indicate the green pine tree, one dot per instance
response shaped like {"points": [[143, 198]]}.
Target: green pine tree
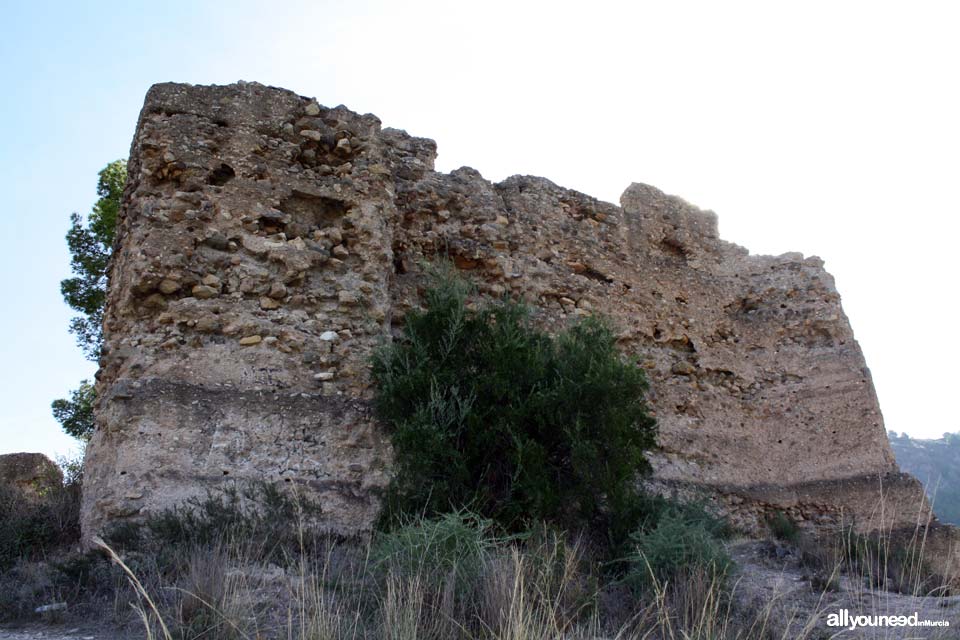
{"points": [[91, 243]]}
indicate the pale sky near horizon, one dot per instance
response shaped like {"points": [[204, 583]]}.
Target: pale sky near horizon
{"points": [[829, 128]]}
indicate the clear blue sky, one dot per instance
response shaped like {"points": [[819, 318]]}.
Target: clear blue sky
{"points": [[74, 75], [822, 127]]}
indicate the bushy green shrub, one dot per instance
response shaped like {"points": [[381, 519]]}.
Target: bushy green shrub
{"points": [[685, 537], [783, 528], [694, 512], [459, 578], [488, 413], [454, 541]]}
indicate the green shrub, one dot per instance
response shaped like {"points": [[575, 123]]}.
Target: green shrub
{"points": [[685, 538], [783, 528], [454, 543], [490, 414], [457, 577], [655, 507]]}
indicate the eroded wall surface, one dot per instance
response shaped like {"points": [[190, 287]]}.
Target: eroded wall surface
{"points": [[267, 244]]}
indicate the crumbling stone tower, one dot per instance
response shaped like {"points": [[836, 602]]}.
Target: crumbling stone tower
{"points": [[267, 244]]}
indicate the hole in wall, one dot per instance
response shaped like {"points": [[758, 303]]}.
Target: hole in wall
{"points": [[593, 274], [309, 212], [221, 175], [672, 247], [399, 266], [272, 222]]}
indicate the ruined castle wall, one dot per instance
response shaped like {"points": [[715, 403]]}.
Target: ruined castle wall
{"points": [[268, 244], [238, 321]]}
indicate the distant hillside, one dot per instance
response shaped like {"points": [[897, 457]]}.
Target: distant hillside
{"points": [[936, 463]]}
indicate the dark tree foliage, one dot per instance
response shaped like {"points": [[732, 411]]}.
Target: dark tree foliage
{"points": [[91, 244], [75, 414], [488, 413], [90, 247]]}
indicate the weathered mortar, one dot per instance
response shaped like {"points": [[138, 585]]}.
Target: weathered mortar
{"points": [[267, 244]]}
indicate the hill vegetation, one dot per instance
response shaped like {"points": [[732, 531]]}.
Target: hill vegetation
{"points": [[936, 463]]}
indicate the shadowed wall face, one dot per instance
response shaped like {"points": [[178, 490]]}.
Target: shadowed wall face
{"points": [[267, 244]]}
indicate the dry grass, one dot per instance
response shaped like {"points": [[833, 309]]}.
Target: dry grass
{"points": [[546, 590], [452, 579]]}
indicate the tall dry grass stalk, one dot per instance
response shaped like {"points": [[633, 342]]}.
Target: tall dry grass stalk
{"points": [[146, 613], [511, 602], [697, 604], [319, 611], [532, 597], [543, 589]]}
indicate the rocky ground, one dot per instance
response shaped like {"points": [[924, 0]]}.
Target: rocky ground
{"points": [[52, 631], [772, 578]]}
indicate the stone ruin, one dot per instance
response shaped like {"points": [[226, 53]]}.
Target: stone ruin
{"points": [[30, 474], [267, 244]]}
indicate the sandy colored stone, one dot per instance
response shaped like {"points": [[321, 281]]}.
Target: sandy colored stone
{"points": [[168, 286], [203, 291], [268, 304]]}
